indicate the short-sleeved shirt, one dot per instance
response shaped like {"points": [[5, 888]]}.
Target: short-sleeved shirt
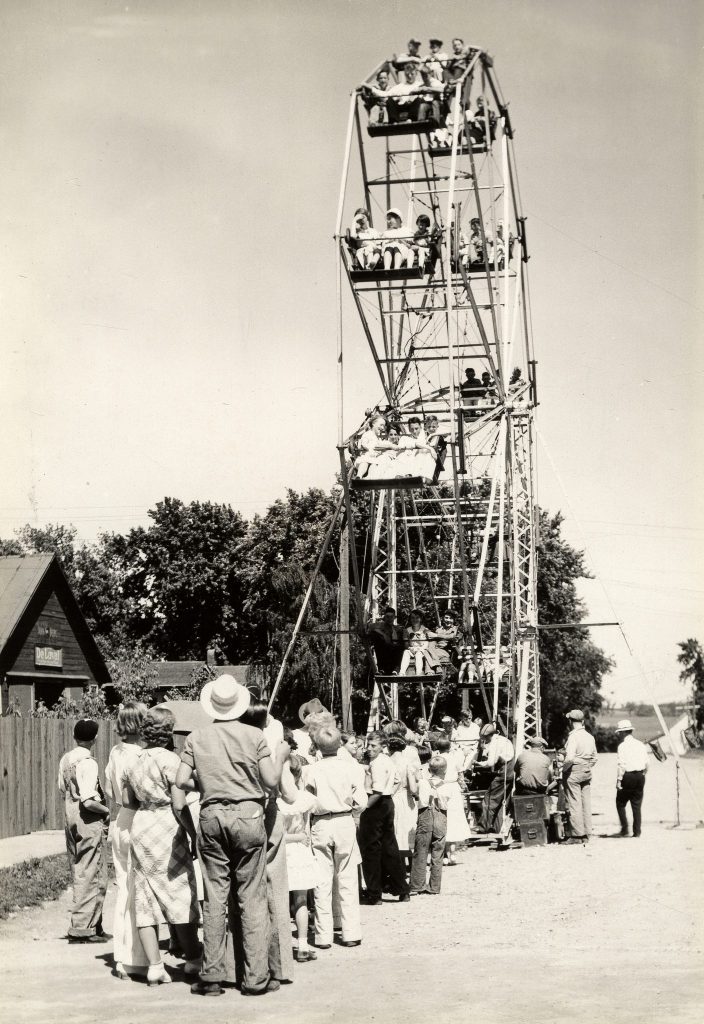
{"points": [[78, 776], [226, 757], [337, 785], [151, 775], [383, 775]]}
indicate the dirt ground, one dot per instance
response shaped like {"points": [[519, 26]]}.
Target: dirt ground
{"points": [[610, 932]]}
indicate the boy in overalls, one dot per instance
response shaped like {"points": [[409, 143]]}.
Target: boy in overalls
{"points": [[87, 817]]}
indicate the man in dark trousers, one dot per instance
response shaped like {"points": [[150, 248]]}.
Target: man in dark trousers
{"points": [[380, 854], [495, 752], [388, 643], [632, 766], [234, 768]]}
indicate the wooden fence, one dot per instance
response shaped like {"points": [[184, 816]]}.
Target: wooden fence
{"points": [[30, 751]]}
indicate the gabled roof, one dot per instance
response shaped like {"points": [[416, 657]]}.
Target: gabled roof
{"points": [[20, 575]]}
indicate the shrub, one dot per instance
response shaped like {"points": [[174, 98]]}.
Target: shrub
{"points": [[606, 738]]}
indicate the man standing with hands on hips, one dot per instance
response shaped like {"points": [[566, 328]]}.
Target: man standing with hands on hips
{"points": [[632, 766]]}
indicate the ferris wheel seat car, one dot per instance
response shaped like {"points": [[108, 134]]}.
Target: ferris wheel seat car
{"points": [[379, 274], [424, 127], [398, 483]]}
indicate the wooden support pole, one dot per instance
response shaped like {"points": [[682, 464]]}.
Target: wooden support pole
{"points": [[345, 675]]}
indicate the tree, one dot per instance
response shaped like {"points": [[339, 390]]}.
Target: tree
{"points": [[691, 657], [571, 665], [132, 675]]}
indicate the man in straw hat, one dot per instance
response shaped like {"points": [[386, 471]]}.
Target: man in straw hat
{"points": [[308, 711], [580, 758], [632, 766], [234, 768]]}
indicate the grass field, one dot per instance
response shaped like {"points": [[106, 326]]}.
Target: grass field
{"points": [[645, 727]]}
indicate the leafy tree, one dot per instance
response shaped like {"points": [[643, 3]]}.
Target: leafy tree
{"points": [[571, 665], [133, 677], [691, 657]]}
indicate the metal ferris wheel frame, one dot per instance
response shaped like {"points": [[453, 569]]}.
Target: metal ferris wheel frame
{"points": [[419, 328]]}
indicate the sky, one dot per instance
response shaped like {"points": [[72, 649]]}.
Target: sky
{"points": [[169, 186]]}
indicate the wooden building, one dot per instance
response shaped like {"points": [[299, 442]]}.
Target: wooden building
{"points": [[46, 647]]}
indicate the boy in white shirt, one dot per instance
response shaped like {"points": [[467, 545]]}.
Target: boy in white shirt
{"points": [[431, 829], [337, 786]]}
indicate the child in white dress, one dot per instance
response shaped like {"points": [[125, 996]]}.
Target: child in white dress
{"points": [[300, 863]]}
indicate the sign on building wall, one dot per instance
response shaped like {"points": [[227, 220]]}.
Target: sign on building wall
{"points": [[48, 657]]}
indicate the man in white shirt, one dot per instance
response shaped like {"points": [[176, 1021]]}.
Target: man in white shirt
{"points": [[580, 758], [380, 855], [496, 752], [632, 766]]}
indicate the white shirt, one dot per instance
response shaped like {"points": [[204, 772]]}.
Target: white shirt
{"points": [[122, 756], [303, 744], [382, 775], [79, 764], [499, 748], [336, 785], [632, 756]]}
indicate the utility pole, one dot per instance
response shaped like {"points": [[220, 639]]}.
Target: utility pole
{"points": [[345, 685]]}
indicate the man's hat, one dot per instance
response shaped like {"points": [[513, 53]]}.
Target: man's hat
{"points": [[536, 741], [416, 41], [624, 725], [311, 707], [487, 730], [576, 716], [224, 698], [438, 41]]}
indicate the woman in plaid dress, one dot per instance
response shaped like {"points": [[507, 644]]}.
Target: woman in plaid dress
{"points": [[165, 885]]}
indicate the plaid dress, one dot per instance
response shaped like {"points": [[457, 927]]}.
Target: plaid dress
{"points": [[165, 884]]}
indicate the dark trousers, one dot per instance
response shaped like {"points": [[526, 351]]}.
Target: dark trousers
{"points": [[232, 852], [405, 111], [631, 792], [430, 837], [499, 789], [388, 656], [380, 856]]}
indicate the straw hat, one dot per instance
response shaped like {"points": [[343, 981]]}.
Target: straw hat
{"points": [[576, 716], [311, 707], [624, 725], [224, 698]]}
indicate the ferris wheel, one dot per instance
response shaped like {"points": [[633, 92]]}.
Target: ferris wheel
{"points": [[431, 247]]}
